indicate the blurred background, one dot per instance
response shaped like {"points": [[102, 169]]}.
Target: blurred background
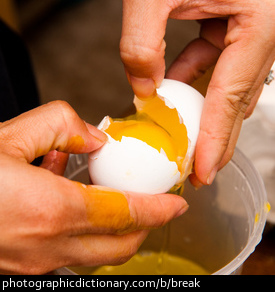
{"points": [[74, 46]]}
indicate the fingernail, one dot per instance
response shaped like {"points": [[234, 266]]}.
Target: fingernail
{"points": [[182, 210], [212, 175], [198, 186], [96, 133], [143, 87], [195, 181]]}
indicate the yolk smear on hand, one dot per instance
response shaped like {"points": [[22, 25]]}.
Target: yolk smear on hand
{"points": [[107, 209], [74, 143]]}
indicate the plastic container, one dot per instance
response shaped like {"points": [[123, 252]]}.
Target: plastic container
{"points": [[224, 222]]}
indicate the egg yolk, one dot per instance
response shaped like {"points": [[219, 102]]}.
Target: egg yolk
{"points": [[156, 124], [148, 132]]}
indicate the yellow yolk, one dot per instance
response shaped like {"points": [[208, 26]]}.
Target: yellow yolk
{"points": [[158, 125], [168, 119], [147, 132]]}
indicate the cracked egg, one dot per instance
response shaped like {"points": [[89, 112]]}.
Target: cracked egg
{"points": [[151, 151]]}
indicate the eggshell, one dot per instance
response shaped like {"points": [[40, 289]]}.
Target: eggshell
{"points": [[132, 165]]}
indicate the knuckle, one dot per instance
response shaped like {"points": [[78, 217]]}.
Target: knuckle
{"points": [[63, 115], [136, 55], [195, 69], [63, 109], [221, 136], [127, 254], [235, 101]]}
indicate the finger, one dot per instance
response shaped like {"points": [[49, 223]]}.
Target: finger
{"points": [[200, 54], [117, 220], [55, 162], [237, 128], [195, 181], [227, 100], [195, 178], [227, 155], [82, 250], [214, 32], [253, 102], [54, 126], [194, 61], [95, 250], [110, 211], [142, 45]]}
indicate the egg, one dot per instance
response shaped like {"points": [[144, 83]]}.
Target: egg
{"points": [[151, 151]]}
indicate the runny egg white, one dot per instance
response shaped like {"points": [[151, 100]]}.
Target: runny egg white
{"points": [[151, 151]]}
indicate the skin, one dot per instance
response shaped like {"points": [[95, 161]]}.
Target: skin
{"points": [[48, 221], [236, 36]]}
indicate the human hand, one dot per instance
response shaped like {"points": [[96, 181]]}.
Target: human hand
{"points": [[241, 41], [48, 221]]}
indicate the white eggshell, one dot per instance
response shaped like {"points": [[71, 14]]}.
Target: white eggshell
{"points": [[132, 165]]}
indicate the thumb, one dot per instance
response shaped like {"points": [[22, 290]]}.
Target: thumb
{"points": [[230, 93], [54, 126], [142, 45]]}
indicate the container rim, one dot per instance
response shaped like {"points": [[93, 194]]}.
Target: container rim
{"points": [[239, 160]]}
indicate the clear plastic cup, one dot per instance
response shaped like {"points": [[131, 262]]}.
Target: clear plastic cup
{"points": [[223, 225]]}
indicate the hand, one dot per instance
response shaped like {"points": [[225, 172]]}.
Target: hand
{"points": [[48, 221], [241, 41]]}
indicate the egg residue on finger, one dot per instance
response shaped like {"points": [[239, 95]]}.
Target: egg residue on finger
{"points": [[151, 151]]}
